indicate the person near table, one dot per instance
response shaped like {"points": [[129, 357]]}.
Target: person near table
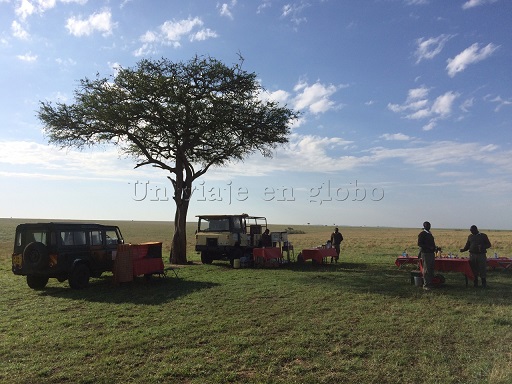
{"points": [[427, 246], [477, 244], [266, 239], [336, 239]]}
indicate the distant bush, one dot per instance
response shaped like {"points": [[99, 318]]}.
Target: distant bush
{"points": [[292, 231]]}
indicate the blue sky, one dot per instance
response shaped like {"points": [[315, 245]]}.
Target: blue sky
{"points": [[406, 108]]}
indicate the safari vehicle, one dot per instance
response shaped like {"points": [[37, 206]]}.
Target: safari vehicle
{"points": [[228, 237], [65, 251]]}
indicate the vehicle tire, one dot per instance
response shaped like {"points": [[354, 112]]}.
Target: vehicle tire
{"points": [[300, 259], [79, 276], [37, 282], [206, 258], [35, 255]]}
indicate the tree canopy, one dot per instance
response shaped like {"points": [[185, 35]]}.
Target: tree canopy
{"points": [[182, 117]]}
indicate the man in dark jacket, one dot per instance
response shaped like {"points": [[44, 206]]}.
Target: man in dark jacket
{"points": [[427, 248], [336, 239], [477, 245]]}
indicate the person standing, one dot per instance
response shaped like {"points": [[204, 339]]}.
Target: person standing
{"points": [[477, 244], [427, 246], [336, 239], [266, 239]]}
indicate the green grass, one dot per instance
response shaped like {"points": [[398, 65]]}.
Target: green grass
{"points": [[360, 321]]}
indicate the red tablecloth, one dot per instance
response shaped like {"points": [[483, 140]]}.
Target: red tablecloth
{"points": [[500, 262], [318, 254], [267, 253], [452, 265]]}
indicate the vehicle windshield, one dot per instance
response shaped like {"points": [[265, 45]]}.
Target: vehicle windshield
{"points": [[213, 224]]}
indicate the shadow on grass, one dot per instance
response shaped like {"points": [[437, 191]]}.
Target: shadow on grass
{"points": [[155, 291], [394, 282]]}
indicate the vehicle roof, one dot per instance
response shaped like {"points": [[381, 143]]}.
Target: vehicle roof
{"points": [[243, 215], [67, 224]]}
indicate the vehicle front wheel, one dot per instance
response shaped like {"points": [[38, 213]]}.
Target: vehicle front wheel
{"points": [[206, 258], [79, 276], [37, 282]]}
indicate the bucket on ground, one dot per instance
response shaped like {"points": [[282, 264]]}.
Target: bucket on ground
{"points": [[418, 281], [236, 263]]}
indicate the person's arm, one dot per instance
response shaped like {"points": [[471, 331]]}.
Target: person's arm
{"points": [[421, 240], [487, 243], [466, 247]]}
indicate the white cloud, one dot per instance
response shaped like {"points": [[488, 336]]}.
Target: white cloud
{"points": [[417, 93], [27, 57], [48, 162], [501, 102], [18, 31], [263, 5], [467, 104], [116, 67], [418, 107], [395, 137], [315, 98], [203, 34], [294, 12], [24, 9], [442, 105], [225, 9], [442, 153], [470, 55], [475, 3], [280, 96], [101, 22], [416, 2], [171, 33], [429, 48]]}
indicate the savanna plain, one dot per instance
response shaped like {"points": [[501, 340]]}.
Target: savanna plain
{"points": [[357, 321]]}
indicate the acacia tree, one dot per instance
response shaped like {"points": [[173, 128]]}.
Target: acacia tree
{"points": [[182, 117]]}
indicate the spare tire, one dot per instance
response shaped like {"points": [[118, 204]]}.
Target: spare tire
{"points": [[35, 256]]}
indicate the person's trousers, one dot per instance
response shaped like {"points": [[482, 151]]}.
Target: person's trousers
{"points": [[428, 268], [478, 262]]}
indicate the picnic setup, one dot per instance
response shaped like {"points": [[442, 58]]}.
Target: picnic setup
{"points": [[275, 256], [452, 263]]}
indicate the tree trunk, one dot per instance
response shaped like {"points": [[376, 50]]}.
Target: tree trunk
{"points": [[179, 240], [182, 193]]}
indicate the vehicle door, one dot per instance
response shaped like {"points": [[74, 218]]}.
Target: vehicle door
{"points": [[73, 245]]}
